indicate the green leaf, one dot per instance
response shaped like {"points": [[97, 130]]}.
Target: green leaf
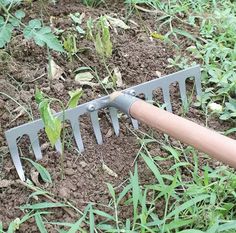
{"points": [[40, 224], [175, 153], [111, 191], [53, 131], [74, 98], [91, 220], [42, 205], [227, 226], [187, 205], [191, 231], [42, 171], [39, 96], [5, 34], [52, 124], [20, 14], [103, 214], [42, 35], [154, 169]]}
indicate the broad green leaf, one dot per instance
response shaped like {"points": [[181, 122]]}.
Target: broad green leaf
{"points": [[53, 131], [74, 98], [52, 124], [42, 171], [5, 34], [40, 224], [42, 35], [20, 14]]}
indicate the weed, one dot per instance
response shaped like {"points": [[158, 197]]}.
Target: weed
{"points": [[54, 126], [92, 3], [12, 20]]}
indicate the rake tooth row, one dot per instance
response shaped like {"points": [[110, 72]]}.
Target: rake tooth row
{"points": [[32, 129]]}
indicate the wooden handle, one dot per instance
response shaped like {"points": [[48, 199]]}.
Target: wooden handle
{"points": [[203, 139]]}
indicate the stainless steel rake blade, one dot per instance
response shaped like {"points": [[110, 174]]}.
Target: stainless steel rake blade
{"points": [[72, 115]]}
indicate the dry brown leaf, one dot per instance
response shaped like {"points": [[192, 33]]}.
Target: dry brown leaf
{"points": [[54, 70], [117, 76], [158, 73], [5, 183], [109, 133], [35, 177], [108, 170]]}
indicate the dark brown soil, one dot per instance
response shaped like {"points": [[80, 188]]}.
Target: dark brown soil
{"points": [[24, 66]]}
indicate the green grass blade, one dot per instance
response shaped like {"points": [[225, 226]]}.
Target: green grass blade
{"points": [[187, 205], [42, 205], [39, 223], [42, 171], [91, 220], [153, 168]]}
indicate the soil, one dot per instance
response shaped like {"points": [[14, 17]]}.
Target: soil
{"points": [[23, 66]]}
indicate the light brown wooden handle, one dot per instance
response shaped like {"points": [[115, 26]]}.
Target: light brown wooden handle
{"points": [[203, 139]]}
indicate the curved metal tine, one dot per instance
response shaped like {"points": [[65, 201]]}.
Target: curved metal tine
{"points": [[198, 84], [58, 146], [166, 96], [182, 88], [34, 140], [134, 123], [77, 135], [96, 126], [15, 156], [114, 120]]}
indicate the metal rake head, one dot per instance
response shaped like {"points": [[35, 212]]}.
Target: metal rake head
{"points": [[72, 115]]}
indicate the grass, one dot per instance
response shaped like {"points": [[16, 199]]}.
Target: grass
{"points": [[192, 197]]}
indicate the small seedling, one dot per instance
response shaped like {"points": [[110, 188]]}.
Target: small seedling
{"points": [[54, 126], [69, 43], [100, 35]]}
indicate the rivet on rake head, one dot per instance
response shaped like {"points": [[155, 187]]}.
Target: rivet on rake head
{"points": [[132, 92], [91, 108]]}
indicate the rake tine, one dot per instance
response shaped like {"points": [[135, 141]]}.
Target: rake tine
{"points": [[34, 140], [114, 120], [15, 156], [58, 146], [134, 123], [77, 135], [166, 95], [198, 84], [96, 126], [182, 88]]}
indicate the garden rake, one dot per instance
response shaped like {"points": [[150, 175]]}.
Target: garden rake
{"points": [[136, 109]]}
